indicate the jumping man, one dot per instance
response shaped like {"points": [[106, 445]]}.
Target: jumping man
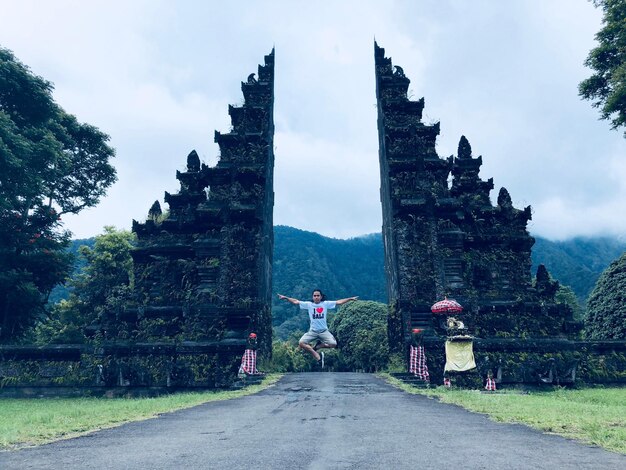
{"points": [[318, 329]]}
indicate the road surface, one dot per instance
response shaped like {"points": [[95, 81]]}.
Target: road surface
{"points": [[318, 421]]}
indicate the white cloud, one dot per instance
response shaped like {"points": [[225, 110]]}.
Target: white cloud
{"points": [[560, 218], [325, 187], [158, 76]]}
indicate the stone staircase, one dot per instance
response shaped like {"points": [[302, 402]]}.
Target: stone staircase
{"points": [[410, 379]]}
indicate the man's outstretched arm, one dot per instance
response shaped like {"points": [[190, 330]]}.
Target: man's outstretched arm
{"points": [[349, 299], [289, 299]]}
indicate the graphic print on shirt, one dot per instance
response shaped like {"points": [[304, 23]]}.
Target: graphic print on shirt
{"points": [[318, 313]]}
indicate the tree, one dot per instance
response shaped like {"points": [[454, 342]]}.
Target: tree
{"points": [[606, 307], [361, 331], [566, 295], [50, 165], [105, 282], [288, 357], [607, 86]]}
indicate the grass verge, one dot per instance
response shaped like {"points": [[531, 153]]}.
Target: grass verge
{"points": [[33, 421], [595, 416]]}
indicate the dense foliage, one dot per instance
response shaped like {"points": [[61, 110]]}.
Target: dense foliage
{"points": [[565, 295], [50, 165], [361, 331], [62, 291], [606, 307], [103, 282], [288, 357], [607, 86]]}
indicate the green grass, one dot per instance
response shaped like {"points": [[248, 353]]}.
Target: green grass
{"points": [[33, 421], [594, 416]]}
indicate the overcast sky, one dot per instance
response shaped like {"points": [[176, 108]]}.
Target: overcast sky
{"points": [[157, 76]]}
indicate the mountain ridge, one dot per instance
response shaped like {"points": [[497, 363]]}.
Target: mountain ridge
{"points": [[305, 260]]}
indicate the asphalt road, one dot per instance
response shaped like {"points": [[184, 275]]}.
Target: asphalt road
{"points": [[318, 421]]}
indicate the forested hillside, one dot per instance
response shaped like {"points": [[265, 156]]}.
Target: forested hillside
{"points": [[304, 261], [577, 262]]}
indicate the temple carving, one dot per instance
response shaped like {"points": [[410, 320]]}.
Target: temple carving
{"points": [[446, 238]]}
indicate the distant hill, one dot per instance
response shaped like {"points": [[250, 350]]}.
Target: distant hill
{"points": [[304, 261], [577, 262], [61, 292]]}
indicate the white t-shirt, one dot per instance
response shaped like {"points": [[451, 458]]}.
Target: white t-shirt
{"points": [[317, 314]]}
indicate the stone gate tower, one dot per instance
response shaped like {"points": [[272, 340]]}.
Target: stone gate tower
{"points": [[203, 270], [446, 239]]}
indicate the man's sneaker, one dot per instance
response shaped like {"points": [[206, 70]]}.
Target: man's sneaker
{"points": [[317, 346], [322, 359]]}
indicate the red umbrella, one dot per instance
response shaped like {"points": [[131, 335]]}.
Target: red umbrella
{"points": [[446, 306]]}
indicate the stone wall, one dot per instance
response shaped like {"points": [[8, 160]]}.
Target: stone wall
{"points": [[118, 368]]}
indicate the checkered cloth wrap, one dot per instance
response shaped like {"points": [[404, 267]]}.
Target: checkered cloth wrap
{"points": [[490, 384], [417, 363], [248, 362]]}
